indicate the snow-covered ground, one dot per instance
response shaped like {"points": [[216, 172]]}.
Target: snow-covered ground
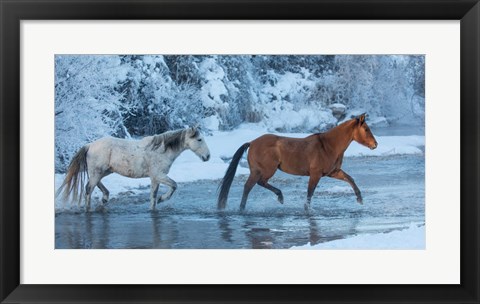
{"points": [[188, 167], [411, 238]]}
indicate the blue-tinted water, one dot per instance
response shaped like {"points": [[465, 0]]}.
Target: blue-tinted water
{"points": [[393, 191]]}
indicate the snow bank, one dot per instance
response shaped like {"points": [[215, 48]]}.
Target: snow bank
{"points": [[410, 238]]}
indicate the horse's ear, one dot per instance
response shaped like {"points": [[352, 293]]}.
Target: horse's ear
{"points": [[193, 131], [361, 118]]}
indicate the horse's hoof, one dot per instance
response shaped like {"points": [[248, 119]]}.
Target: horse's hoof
{"points": [[104, 201], [280, 199], [360, 201], [101, 208], [308, 209]]}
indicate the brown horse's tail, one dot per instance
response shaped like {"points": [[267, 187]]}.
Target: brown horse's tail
{"points": [[229, 175], [77, 170]]}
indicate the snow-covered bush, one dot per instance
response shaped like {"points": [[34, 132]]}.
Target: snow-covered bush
{"points": [[87, 104], [288, 104]]}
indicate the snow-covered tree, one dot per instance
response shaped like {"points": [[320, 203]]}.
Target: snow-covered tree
{"points": [[87, 104]]}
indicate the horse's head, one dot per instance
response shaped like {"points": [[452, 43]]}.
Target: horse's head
{"points": [[362, 133], [194, 141]]}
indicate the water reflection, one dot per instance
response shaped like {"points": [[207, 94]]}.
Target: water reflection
{"points": [[83, 231], [164, 231], [323, 229], [226, 233], [259, 237], [169, 230], [314, 236]]}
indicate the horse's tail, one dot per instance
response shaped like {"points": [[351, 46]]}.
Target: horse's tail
{"points": [[75, 178], [229, 175]]}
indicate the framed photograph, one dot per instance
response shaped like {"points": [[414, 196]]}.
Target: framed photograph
{"points": [[239, 152]]}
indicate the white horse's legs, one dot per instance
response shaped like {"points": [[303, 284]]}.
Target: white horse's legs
{"points": [[92, 182], [105, 192], [154, 190], [170, 183], [153, 193], [88, 195]]}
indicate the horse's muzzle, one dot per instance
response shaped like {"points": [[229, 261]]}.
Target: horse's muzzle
{"points": [[374, 146], [206, 158]]}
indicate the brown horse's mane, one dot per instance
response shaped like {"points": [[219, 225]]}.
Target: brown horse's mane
{"points": [[336, 134], [337, 128], [172, 140]]}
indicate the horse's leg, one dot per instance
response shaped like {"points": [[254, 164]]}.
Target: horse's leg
{"points": [[105, 192], [88, 194], [312, 184], [251, 181], [153, 193], [92, 182], [171, 184], [277, 191], [266, 174], [341, 175]]}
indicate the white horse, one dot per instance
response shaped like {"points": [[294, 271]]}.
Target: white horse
{"points": [[150, 156]]}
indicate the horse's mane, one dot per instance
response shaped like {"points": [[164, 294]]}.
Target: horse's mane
{"points": [[172, 140], [345, 123]]}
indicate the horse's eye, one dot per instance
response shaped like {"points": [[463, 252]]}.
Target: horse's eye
{"points": [[199, 139]]}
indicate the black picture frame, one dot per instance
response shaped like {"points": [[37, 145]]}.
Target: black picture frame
{"points": [[13, 11]]}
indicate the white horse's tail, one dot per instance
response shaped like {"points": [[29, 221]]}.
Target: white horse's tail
{"points": [[77, 170]]}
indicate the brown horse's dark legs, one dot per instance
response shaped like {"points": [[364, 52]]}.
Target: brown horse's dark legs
{"points": [[341, 175], [251, 181], [312, 184], [277, 191]]}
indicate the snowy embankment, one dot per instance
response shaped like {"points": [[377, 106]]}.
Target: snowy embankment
{"points": [[414, 236], [188, 167]]}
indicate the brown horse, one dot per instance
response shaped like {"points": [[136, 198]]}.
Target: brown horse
{"points": [[316, 156]]}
